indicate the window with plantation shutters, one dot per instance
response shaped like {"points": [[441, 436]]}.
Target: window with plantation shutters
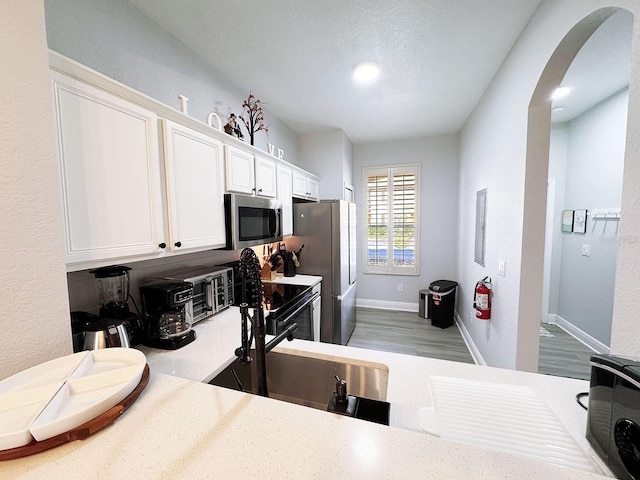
{"points": [[391, 237]]}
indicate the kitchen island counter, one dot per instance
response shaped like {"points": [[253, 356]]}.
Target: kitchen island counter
{"points": [[183, 428]]}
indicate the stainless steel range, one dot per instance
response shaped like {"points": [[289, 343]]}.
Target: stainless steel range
{"points": [[287, 304], [283, 304]]}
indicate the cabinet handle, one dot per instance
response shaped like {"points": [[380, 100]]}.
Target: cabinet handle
{"points": [[259, 190], [163, 245], [178, 244]]}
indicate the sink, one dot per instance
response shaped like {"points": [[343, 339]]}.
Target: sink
{"points": [[309, 380]]}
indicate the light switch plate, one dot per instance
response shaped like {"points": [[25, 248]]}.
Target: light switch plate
{"points": [[586, 250], [502, 267]]}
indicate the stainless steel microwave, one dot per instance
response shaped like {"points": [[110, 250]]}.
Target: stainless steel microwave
{"points": [[251, 221]]}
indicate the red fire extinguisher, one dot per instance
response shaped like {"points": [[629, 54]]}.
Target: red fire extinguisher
{"points": [[482, 300]]}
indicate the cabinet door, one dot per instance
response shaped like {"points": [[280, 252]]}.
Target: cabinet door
{"points": [[265, 177], [299, 188], [313, 189], [110, 173], [195, 189], [240, 170], [285, 176]]}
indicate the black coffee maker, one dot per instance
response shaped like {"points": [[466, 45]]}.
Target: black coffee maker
{"points": [[167, 307], [112, 291]]}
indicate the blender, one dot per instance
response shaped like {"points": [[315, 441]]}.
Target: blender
{"points": [[112, 291]]}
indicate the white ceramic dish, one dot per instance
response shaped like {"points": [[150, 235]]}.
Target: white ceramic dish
{"points": [[86, 385], [56, 370], [83, 399], [18, 410]]}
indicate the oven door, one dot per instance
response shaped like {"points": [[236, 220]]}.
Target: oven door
{"points": [[203, 305], [302, 315]]}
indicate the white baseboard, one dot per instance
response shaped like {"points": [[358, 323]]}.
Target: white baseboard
{"points": [[552, 318], [466, 336], [580, 335], [386, 305]]}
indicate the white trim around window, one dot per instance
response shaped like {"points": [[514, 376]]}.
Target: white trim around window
{"points": [[391, 229]]}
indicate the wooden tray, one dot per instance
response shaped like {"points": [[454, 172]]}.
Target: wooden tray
{"points": [[83, 431]]}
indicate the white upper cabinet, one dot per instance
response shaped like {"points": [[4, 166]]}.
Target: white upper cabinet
{"points": [[265, 177], [194, 178], [109, 171], [246, 173], [240, 167], [304, 186], [285, 178]]}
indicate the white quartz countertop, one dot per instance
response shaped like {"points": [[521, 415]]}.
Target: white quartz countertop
{"points": [[183, 428], [307, 280]]}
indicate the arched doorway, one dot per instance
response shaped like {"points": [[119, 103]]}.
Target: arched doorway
{"points": [[536, 175]]}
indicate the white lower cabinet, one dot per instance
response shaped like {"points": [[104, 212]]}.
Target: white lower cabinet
{"points": [[194, 177], [109, 171]]}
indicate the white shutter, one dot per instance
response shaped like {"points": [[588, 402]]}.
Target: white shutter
{"points": [[391, 237]]}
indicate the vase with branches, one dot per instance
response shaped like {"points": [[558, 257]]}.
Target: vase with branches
{"points": [[253, 116]]}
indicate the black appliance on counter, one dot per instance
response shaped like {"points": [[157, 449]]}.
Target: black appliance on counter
{"points": [[284, 304], [613, 421], [168, 314]]}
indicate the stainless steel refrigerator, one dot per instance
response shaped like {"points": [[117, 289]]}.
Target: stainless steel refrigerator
{"points": [[327, 230]]}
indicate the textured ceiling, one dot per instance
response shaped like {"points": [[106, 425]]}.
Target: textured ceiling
{"points": [[436, 56]]}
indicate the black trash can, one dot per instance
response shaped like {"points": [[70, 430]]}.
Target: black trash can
{"points": [[442, 301]]}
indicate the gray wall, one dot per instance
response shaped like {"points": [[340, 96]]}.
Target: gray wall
{"points": [[117, 40], [495, 154], [438, 157], [328, 154], [557, 171], [595, 160]]}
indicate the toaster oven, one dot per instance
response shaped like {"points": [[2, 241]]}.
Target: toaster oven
{"points": [[212, 289], [613, 418]]}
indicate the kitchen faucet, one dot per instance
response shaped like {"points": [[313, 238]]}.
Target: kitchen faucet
{"points": [[250, 273]]}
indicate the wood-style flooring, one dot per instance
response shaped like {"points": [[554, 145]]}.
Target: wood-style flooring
{"points": [[407, 333], [562, 355], [410, 334]]}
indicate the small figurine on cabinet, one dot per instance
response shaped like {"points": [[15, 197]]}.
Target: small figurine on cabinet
{"points": [[232, 127]]}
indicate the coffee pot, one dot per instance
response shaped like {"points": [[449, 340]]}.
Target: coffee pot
{"points": [[167, 307]]}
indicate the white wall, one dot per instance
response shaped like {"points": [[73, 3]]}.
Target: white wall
{"points": [[438, 159], [557, 171], [328, 154], [493, 154], [35, 315], [595, 160], [117, 40]]}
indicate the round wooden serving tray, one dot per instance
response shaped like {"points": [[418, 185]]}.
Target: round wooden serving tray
{"points": [[83, 431]]}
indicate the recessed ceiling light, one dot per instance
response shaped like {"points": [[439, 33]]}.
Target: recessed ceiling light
{"points": [[560, 92], [366, 72], [557, 109]]}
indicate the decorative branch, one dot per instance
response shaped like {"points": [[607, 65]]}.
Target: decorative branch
{"points": [[254, 116]]}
